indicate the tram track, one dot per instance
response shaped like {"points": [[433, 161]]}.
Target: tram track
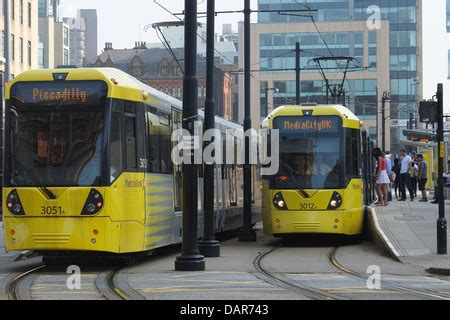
{"points": [[282, 281], [387, 284], [114, 286], [289, 284], [111, 284], [12, 288]]}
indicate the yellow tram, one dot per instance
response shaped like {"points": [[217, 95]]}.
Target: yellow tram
{"points": [[89, 165], [323, 183]]}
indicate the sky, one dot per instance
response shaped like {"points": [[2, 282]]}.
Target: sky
{"points": [[124, 25]]}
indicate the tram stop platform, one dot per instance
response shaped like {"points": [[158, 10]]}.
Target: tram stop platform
{"points": [[407, 230]]}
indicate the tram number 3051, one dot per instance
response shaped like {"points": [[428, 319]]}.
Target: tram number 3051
{"points": [[52, 210]]}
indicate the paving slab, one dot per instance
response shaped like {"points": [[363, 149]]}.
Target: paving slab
{"points": [[408, 230]]}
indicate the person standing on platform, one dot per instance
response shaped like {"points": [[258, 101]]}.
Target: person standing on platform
{"points": [[405, 180], [381, 177], [389, 173], [396, 170], [423, 177], [413, 173]]}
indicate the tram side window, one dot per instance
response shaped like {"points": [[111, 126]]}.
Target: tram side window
{"points": [[353, 154], [159, 143], [116, 146], [178, 176], [130, 138]]}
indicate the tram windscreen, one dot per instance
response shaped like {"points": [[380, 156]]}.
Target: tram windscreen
{"points": [[57, 138], [310, 153]]}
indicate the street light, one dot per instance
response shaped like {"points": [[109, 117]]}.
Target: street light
{"points": [[385, 98], [266, 110]]}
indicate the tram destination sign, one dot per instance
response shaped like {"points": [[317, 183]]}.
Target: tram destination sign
{"points": [[320, 124], [67, 93]]}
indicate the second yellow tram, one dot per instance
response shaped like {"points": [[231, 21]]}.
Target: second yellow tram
{"points": [[323, 183]]}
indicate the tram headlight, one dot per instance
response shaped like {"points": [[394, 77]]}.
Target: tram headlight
{"points": [[94, 203], [279, 202], [14, 204], [335, 202]]}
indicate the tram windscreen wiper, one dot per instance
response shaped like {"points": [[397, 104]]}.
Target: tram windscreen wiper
{"points": [[300, 191], [38, 183]]}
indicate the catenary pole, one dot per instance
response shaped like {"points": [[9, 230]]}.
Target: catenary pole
{"points": [[190, 259]]}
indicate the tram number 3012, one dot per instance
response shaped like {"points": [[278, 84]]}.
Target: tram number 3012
{"points": [[308, 206], [47, 210]]}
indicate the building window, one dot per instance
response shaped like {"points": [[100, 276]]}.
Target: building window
{"points": [[13, 51], [29, 14], [29, 53], [449, 64], [13, 10], [2, 44], [66, 57], [21, 11], [41, 53], [21, 50], [448, 16], [66, 36]]}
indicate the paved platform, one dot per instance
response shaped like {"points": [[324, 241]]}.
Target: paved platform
{"points": [[408, 230]]}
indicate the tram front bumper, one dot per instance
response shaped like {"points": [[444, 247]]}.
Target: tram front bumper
{"points": [[292, 222]]}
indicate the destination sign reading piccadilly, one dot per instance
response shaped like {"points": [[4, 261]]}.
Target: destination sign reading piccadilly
{"points": [[82, 93], [65, 95], [308, 124]]}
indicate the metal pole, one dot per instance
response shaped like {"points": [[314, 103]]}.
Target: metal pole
{"points": [[209, 246], [411, 121], [383, 123], [442, 222], [377, 118], [190, 259], [247, 233], [297, 73], [266, 112], [2, 132], [7, 51]]}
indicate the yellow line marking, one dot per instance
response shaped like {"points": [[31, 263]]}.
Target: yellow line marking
{"points": [[65, 292], [65, 276], [184, 289], [121, 294], [210, 272], [42, 287], [344, 288], [438, 280], [315, 275], [221, 281], [362, 291]]}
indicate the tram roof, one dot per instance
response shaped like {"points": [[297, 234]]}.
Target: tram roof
{"points": [[350, 120], [121, 85]]}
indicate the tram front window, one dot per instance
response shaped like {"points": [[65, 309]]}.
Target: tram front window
{"points": [[56, 148], [309, 159]]}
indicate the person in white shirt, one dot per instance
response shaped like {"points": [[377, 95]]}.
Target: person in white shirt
{"points": [[405, 178]]}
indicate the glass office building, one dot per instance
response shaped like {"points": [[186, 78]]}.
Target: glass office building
{"points": [[404, 53]]}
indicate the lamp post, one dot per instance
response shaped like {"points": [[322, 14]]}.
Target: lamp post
{"points": [[6, 5], [383, 119], [247, 233], [190, 259], [442, 222], [209, 246], [266, 111]]}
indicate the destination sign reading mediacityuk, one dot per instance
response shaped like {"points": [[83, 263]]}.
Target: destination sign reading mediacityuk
{"points": [[325, 124]]}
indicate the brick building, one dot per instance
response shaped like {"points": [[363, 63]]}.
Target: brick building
{"points": [[163, 71]]}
